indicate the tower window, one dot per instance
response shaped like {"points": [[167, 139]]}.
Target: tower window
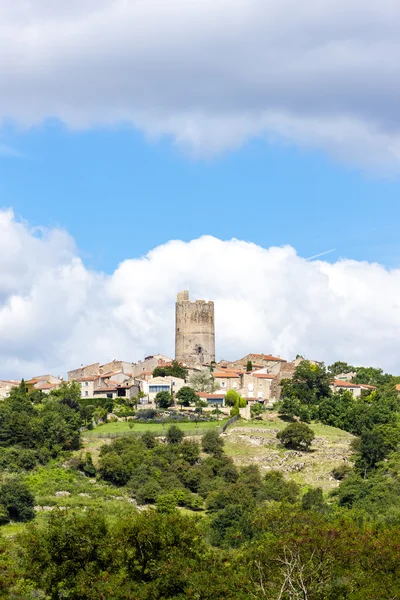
{"points": [[199, 349]]}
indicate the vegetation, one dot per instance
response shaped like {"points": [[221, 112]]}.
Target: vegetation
{"points": [[296, 435], [186, 396], [205, 527], [203, 381], [164, 400], [173, 370]]}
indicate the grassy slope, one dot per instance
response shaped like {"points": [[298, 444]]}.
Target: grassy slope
{"points": [[255, 443], [157, 428]]}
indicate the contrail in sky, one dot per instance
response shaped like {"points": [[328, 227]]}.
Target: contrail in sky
{"points": [[322, 254]]}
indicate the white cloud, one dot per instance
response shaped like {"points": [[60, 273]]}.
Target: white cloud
{"points": [[55, 314], [211, 73]]}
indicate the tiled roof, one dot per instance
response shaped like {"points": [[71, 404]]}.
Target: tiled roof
{"points": [[227, 375], [46, 386], [367, 387], [106, 389], [268, 357], [263, 376], [210, 395], [347, 384]]}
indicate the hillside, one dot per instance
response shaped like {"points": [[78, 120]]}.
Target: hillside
{"points": [[255, 442]]}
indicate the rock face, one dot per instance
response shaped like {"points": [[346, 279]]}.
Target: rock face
{"points": [[194, 331]]}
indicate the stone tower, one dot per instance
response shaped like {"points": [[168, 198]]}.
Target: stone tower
{"points": [[194, 331]]}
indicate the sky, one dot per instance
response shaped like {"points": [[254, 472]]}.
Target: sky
{"points": [[152, 146]]}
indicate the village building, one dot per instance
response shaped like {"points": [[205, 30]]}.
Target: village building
{"points": [[161, 384], [6, 387]]}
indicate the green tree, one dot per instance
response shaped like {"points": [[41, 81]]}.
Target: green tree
{"points": [[310, 384], [296, 435], [163, 400], [174, 435], [212, 442], [16, 500], [173, 370], [313, 499], [186, 396], [249, 366], [233, 398], [371, 376], [339, 367], [376, 444]]}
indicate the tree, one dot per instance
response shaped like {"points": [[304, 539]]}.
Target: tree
{"points": [[186, 396], [163, 400], [69, 394], [233, 398], [212, 443], [249, 366], [17, 500], [340, 367], [310, 383], [376, 444], [172, 370], [174, 435], [313, 499], [371, 376], [296, 435], [203, 381]]}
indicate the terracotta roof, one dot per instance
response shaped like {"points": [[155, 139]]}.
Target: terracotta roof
{"points": [[263, 376], [398, 387], [210, 395], [106, 389], [227, 375], [348, 384], [367, 387], [268, 357], [46, 386]]}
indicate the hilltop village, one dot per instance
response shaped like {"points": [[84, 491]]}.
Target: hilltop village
{"points": [[256, 377]]}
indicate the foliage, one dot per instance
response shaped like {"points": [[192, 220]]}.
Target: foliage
{"points": [[309, 385], [186, 396], [256, 409], [212, 442], [339, 367], [203, 381], [163, 400], [234, 412], [233, 398], [173, 370], [249, 366], [16, 500], [296, 435], [174, 435]]}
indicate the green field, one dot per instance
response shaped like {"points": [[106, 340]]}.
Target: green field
{"points": [[122, 428]]}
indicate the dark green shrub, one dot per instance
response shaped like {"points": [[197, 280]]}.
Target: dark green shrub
{"points": [[296, 435]]}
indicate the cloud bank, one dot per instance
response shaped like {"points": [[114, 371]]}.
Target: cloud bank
{"points": [[55, 314], [211, 74]]}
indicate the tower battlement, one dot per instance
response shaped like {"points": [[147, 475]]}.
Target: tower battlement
{"points": [[194, 330]]}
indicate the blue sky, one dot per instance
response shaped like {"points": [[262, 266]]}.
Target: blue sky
{"points": [[119, 194], [131, 129]]}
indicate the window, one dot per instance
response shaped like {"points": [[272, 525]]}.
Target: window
{"points": [[154, 389], [86, 383], [86, 394], [250, 387], [223, 384]]}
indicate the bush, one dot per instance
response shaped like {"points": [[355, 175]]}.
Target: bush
{"points": [[174, 435], [296, 435], [234, 412], [149, 440], [212, 443], [341, 471], [146, 413], [163, 400], [16, 500]]}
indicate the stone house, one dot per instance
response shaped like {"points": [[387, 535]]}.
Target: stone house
{"points": [[44, 383], [6, 387], [338, 384], [259, 386], [227, 380], [150, 363], [161, 384]]}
